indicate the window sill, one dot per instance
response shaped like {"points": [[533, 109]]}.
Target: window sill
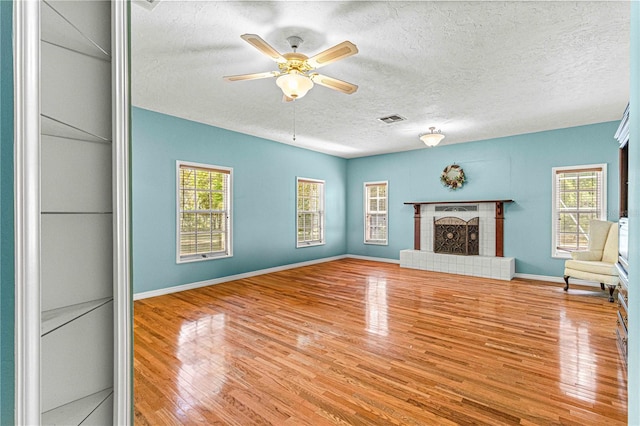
{"points": [[376, 243], [565, 255], [200, 258], [310, 244]]}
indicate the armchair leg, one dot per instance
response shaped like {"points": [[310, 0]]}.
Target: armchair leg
{"points": [[612, 288], [566, 280], [601, 286]]}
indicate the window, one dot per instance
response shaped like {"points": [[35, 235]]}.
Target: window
{"points": [[203, 212], [375, 212], [310, 212], [579, 195]]}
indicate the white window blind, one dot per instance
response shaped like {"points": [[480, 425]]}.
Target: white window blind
{"points": [[204, 212], [579, 196], [375, 212], [309, 212]]}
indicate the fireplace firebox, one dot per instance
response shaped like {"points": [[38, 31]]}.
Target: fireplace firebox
{"points": [[453, 235]]}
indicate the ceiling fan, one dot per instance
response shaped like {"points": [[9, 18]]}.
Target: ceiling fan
{"points": [[297, 71]]}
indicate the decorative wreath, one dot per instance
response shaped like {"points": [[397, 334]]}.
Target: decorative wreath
{"points": [[452, 177]]}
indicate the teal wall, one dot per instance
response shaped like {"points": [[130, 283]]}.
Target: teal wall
{"points": [[634, 221], [516, 168], [264, 179], [6, 216]]}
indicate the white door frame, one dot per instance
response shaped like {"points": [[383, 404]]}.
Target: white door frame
{"points": [[26, 54], [122, 294]]}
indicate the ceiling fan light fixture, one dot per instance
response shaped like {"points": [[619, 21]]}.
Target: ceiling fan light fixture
{"points": [[294, 85], [295, 76], [432, 139]]}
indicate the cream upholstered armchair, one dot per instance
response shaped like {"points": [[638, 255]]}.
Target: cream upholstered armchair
{"points": [[599, 262]]}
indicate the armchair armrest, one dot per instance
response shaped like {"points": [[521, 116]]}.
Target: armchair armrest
{"points": [[587, 255]]}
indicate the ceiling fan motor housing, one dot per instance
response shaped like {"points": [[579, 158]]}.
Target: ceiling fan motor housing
{"points": [[295, 62]]}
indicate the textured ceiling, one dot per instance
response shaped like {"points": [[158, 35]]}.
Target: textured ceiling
{"points": [[475, 70]]}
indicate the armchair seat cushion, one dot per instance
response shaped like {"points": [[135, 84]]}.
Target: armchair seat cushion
{"points": [[591, 267]]}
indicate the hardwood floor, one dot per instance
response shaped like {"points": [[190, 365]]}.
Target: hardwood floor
{"points": [[354, 342]]}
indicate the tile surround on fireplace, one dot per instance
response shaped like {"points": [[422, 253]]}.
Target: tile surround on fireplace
{"points": [[487, 232]]}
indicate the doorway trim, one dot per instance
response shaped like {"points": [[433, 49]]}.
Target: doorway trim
{"points": [[26, 54], [122, 294]]}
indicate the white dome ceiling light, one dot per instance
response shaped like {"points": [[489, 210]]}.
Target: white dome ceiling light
{"points": [[432, 139]]}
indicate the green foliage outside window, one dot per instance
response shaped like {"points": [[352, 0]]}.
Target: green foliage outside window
{"points": [[310, 214], [203, 212], [578, 202], [376, 213]]}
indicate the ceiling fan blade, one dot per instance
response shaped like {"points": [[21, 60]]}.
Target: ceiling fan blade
{"points": [[333, 54], [334, 83], [255, 76], [264, 47]]}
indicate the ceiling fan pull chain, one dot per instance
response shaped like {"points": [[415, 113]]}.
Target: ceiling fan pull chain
{"points": [[294, 120]]}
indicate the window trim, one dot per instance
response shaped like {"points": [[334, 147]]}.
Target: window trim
{"points": [[554, 211], [366, 212], [321, 212], [229, 239]]}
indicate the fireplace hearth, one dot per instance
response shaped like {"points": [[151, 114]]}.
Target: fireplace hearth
{"points": [[452, 235]]}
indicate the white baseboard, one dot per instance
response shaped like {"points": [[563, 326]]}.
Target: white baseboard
{"points": [[374, 259], [555, 279], [190, 286]]}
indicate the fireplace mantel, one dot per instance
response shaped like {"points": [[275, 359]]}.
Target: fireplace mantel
{"points": [[499, 220], [458, 202]]}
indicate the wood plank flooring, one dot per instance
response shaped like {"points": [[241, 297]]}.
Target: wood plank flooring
{"points": [[355, 342]]}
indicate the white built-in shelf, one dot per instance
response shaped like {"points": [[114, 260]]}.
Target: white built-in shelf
{"points": [[80, 411], [50, 126], [61, 27], [56, 318]]}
